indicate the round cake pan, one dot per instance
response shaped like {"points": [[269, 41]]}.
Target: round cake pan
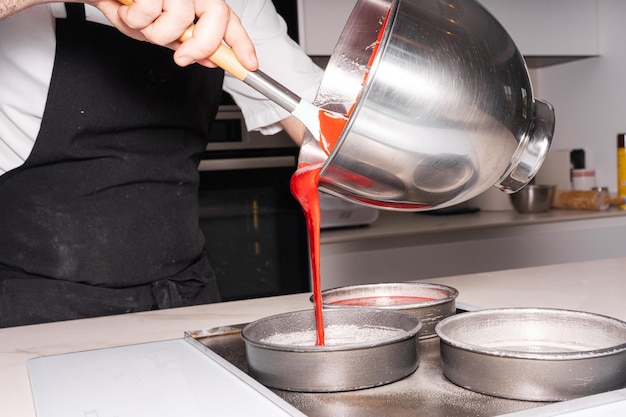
{"points": [[534, 354], [364, 348], [428, 302]]}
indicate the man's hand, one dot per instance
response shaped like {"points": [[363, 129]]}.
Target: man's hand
{"points": [[164, 22]]}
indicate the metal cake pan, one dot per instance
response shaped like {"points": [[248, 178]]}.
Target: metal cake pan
{"points": [[350, 364], [533, 354], [441, 303]]}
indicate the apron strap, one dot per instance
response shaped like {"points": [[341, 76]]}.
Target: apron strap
{"points": [[75, 11]]}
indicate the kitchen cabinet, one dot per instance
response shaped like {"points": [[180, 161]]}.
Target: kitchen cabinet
{"points": [[320, 23], [549, 30], [409, 246], [545, 31]]}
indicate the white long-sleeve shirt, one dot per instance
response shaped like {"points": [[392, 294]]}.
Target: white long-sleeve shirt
{"points": [[27, 45]]}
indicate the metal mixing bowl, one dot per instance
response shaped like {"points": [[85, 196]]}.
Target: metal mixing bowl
{"points": [[533, 198], [441, 112], [535, 354], [439, 303], [342, 367]]}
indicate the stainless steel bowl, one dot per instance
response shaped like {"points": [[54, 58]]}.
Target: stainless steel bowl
{"points": [[350, 365], [443, 111], [438, 301], [533, 198], [534, 354]]}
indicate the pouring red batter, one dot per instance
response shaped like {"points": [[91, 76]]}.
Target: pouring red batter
{"points": [[304, 187]]}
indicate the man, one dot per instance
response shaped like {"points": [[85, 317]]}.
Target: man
{"points": [[100, 137]]}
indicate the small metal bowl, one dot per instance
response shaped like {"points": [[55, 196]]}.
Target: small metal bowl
{"points": [[350, 365], [533, 354], [428, 302], [533, 198]]}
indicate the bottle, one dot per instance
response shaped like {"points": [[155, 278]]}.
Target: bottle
{"points": [[621, 169]]}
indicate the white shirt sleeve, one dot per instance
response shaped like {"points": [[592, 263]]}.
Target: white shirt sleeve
{"points": [[26, 59], [279, 57]]}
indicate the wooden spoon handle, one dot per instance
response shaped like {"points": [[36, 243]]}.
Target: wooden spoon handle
{"points": [[223, 57]]}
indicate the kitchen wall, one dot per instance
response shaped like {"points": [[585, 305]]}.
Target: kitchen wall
{"points": [[589, 95]]}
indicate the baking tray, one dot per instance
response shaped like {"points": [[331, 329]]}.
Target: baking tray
{"points": [[426, 392], [538, 354], [387, 344], [438, 301]]}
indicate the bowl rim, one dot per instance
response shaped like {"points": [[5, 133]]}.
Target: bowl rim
{"points": [[452, 294], [513, 313], [402, 335]]}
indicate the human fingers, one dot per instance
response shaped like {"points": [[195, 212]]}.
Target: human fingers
{"points": [[110, 10], [216, 22], [161, 22], [237, 38]]}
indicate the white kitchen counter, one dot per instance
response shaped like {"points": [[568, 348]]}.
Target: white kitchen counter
{"points": [[395, 224], [595, 286]]}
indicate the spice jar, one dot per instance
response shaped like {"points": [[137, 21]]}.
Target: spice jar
{"points": [[583, 179]]}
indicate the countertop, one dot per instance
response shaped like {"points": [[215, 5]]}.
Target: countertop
{"points": [[391, 224], [595, 286]]}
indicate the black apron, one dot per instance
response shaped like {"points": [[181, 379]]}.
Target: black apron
{"points": [[102, 218]]}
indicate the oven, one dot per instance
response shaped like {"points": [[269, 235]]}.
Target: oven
{"points": [[256, 236]]}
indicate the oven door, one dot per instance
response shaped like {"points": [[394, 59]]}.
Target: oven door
{"points": [[255, 231]]}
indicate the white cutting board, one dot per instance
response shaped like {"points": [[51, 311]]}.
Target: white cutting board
{"points": [[168, 378]]}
